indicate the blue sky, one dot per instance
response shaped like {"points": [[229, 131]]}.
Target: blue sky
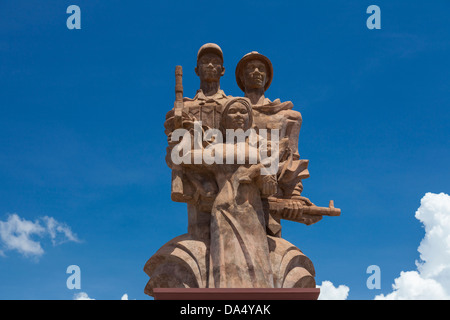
{"points": [[82, 137]]}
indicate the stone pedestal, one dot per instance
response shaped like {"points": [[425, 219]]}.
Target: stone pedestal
{"points": [[236, 294]]}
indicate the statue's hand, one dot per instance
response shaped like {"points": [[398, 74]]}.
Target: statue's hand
{"points": [[269, 185]]}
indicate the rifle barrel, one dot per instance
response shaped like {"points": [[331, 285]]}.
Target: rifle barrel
{"points": [[179, 83], [283, 209]]}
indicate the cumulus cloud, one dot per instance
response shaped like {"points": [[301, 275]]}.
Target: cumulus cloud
{"points": [[81, 296], [431, 280], [17, 234], [329, 292], [24, 236], [85, 296], [411, 285]]}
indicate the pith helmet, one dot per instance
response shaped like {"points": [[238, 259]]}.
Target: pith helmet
{"points": [[210, 47], [254, 55]]}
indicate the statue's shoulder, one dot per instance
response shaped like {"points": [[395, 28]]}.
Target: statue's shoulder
{"points": [[226, 98], [272, 107], [278, 107], [170, 114], [289, 112], [189, 100]]}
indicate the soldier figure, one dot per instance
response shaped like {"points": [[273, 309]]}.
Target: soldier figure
{"points": [[254, 74], [199, 189]]}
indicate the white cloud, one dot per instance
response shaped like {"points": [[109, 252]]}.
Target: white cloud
{"points": [[84, 296], [17, 233], [329, 292], [81, 296], [432, 278], [23, 235], [59, 232], [411, 285]]}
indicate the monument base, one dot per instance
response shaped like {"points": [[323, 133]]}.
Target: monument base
{"points": [[236, 294]]}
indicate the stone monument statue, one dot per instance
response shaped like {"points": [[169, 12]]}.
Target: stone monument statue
{"points": [[235, 162]]}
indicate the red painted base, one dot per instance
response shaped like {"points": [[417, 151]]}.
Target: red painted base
{"points": [[236, 294]]}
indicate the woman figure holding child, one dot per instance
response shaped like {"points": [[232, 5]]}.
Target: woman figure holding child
{"points": [[239, 253]]}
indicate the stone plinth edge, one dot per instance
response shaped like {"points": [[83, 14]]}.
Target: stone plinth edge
{"points": [[236, 294]]}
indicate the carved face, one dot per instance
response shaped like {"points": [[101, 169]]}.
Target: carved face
{"points": [[254, 74], [209, 67], [237, 117]]}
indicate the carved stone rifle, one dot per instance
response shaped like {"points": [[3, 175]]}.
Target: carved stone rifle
{"points": [[294, 210], [177, 171]]}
